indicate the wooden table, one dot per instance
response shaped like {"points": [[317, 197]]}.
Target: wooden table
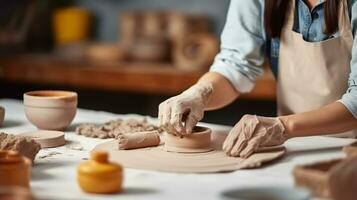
{"points": [[150, 78]]}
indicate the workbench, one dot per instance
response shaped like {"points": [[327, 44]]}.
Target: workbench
{"points": [[54, 172]]}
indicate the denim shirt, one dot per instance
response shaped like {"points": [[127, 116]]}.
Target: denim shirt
{"points": [[244, 44]]}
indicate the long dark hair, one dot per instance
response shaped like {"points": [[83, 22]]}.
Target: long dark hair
{"points": [[275, 16]]}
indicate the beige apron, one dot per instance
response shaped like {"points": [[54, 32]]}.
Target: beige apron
{"points": [[313, 74]]}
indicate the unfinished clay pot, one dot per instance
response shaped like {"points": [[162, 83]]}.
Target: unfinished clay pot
{"points": [[50, 109], [198, 141], [2, 115], [14, 169], [315, 177]]}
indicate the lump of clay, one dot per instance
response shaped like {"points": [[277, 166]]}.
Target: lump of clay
{"points": [[138, 140], [24, 145], [91, 130], [114, 128], [343, 180]]}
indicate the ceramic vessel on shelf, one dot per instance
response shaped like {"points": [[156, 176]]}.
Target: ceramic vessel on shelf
{"points": [[50, 109], [14, 169], [98, 175]]}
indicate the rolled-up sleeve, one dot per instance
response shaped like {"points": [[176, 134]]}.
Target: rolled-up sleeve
{"points": [[242, 45], [349, 99]]}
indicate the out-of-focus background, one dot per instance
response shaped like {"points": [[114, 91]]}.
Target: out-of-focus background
{"points": [[122, 56]]}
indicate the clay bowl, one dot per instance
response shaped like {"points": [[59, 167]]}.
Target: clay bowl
{"points": [[2, 115], [197, 142], [50, 109]]}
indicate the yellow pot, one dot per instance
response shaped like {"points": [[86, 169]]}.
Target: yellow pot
{"points": [[98, 175], [71, 25]]}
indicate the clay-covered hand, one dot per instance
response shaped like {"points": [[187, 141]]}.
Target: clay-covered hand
{"points": [[253, 132], [179, 114]]}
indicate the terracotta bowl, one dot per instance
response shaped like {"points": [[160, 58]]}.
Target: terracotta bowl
{"points": [[198, 141], [50, 109]]}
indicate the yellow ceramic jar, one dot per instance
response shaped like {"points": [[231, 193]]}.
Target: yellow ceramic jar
{"points": [[98, 175]]}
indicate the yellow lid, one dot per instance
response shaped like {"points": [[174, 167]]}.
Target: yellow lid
{"points": [[99, 165]]}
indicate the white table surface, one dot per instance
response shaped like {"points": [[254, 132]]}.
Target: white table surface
{"points": [[54, 174]]}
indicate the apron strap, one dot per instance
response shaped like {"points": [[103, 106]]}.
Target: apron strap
{"points": [[291, 15], [344, 22]]}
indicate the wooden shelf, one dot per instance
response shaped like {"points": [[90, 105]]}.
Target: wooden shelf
{"points": [[151, 78]]}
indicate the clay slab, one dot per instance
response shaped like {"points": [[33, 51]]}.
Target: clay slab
{"points": [[47, 139], [156, 158]]}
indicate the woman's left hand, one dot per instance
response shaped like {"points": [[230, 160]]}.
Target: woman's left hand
{"points": [[253, 132]]}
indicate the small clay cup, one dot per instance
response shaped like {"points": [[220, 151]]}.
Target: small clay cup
{"points": [[14, 169], [198, 141], [2, 115], [50, 109]]}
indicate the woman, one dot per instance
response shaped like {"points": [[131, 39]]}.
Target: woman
{"points": [[312, 50]]}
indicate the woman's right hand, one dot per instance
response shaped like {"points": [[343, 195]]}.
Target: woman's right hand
{"points": [[180, 114]]}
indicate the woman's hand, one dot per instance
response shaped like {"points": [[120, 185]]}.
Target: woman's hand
{"points": [[253, 132], [178, 115]]}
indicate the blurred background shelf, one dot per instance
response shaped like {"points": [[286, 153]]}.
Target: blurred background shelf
{"points": [[119, 56], [138, 77]]}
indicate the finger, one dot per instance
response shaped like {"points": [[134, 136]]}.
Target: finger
{"points": [[166, 120], [234, 133], [176, 119], [239, 145], [232, 138], [161, 113], [246, 129], [190, 123], [251, 147]]}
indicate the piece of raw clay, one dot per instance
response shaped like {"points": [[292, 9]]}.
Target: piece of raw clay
{"points": [[113, 129], [156, 158], [47, 139], [197, 142], [2, 115], [24, 145], [138, 140], [343, 180]]}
